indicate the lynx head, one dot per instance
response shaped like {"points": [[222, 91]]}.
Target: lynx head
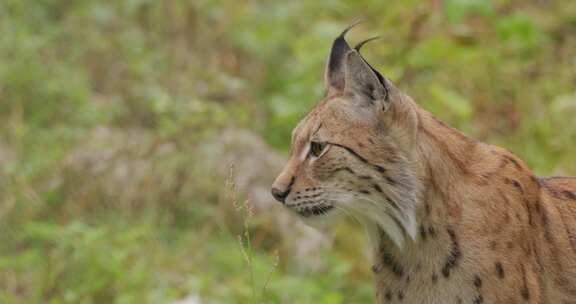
{"points": [[353, 152]]}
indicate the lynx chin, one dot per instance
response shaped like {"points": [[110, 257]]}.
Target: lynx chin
{"points": [[450, 219]]}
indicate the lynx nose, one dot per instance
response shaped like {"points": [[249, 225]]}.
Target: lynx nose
{"points": [[280, 195], [283, 184]]}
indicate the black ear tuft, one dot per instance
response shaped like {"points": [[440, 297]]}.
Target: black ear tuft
{"points": [[334, 75], [362, 43]]}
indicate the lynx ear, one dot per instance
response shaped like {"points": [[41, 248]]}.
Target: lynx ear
{"points": [[334, 74], [364, 81]]}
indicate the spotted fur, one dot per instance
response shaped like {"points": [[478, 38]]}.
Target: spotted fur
{"points": [[452, 220]]}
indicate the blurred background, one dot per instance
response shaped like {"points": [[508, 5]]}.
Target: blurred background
{"points": [[138, 138]]}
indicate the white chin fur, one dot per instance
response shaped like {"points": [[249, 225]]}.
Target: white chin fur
{"points": [[387, 223], [394, 232], [323, 221], [372, 216], [373, 219], [384, 216]]}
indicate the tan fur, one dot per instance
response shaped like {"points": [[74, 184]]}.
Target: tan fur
{"points": [[486, 229]]}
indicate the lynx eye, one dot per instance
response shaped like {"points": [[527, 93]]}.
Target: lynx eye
{"points": [[316, 148]]}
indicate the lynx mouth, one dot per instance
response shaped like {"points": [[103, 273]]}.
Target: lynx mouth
{"points": [[316, 210]]}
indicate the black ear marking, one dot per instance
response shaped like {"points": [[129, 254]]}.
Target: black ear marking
{"points": [[348, 72], [381, 79], [334, 75]]}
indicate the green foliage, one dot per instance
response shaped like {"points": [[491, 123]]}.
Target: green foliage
{"points": [[166, 75]]}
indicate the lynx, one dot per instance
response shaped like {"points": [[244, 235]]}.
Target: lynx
{"points": [[450, 219]]}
